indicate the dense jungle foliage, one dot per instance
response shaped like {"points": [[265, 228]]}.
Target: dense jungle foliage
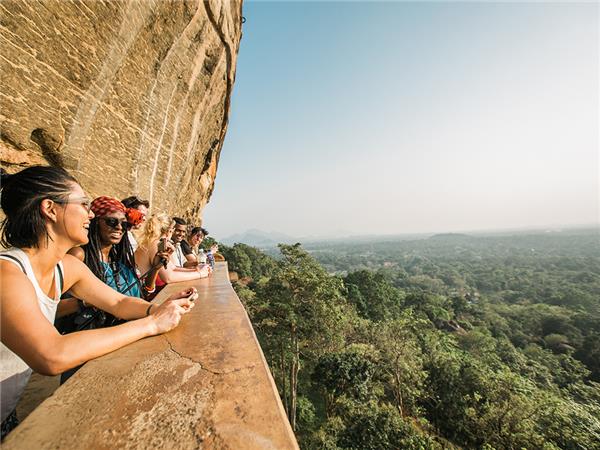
{"points": [[455, 341]]}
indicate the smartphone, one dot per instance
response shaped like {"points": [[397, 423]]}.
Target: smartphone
{"points": [[162, 245], [192, 295]]}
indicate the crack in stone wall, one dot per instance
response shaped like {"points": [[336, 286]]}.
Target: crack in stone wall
{"points": [[203, 366]]}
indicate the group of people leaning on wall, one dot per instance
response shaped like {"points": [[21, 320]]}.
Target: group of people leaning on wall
{"points": [[78, 276]]}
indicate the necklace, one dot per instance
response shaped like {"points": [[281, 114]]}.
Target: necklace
{"points": [[111, 270], [105, 259]]}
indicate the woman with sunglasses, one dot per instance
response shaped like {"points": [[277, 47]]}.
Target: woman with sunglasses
{"points": [[108, 253], [47, 214], [109, 256]]}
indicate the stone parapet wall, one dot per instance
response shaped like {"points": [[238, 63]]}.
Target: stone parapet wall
{"points": [[203, 385], [131, 96]]}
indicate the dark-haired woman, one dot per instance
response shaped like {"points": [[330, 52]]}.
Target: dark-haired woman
{"points": [[109, 256], [47, 213], [108, 253], [189, 247]]}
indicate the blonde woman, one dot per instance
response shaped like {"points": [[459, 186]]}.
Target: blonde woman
{"points": [[160, 226]]}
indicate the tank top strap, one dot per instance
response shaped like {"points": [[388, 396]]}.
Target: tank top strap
{"points": [[20, 259], [15, 261]]}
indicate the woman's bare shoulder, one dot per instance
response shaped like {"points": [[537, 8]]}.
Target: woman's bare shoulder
{"points": [[78, 253], [9, 269], [14, 282], [72, 260], [144, 254], [74, 269]]}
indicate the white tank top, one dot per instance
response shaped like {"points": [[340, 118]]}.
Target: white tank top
{"points": [[14, 373]]}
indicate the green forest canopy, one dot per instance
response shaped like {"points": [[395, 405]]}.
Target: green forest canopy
{"points": [[454, 341]]}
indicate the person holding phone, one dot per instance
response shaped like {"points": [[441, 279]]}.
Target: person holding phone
{"points": [[47, 214], [159, 228]]}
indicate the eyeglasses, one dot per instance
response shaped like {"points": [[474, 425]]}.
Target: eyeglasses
{"points": [[113, 222], [83, 201]]}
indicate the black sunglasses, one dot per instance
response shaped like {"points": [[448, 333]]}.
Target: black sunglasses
{"points": [[113, 222]]}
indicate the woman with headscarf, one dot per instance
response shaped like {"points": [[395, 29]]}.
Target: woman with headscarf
{"points": [[108, 253], [109, 256]]}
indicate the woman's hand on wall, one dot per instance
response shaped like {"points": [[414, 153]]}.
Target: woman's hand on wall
{"points": [[168, 314]]}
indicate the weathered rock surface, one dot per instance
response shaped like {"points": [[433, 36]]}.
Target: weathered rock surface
{"points": [[131, 96]]}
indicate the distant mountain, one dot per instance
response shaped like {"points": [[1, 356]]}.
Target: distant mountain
{"points": [[264, 239], [259, 238], [450, 236]]}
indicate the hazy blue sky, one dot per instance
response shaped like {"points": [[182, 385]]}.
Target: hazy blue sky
{"points": [[361, 118]]}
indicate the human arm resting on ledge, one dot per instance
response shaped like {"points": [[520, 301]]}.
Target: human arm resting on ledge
{"points": [[174, 274], [170, 275], [145, 258], [190, 258], [29, 334], [90, 289]]}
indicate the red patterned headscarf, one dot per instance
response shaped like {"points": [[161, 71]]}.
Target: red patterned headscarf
{"points": [[103, 206], [134, 217]]}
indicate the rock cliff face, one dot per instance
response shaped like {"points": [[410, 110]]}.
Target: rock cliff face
{"points": [[131, 96]]}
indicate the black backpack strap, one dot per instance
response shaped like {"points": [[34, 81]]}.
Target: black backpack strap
{"points": [[61, 278], [11, 257]]}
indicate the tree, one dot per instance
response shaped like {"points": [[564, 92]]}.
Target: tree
{"points": [[371, 426], [303, 317], [372, 295], [248, 261], [480, 341], [348, 372], [237, 259], [401, 361], [589, 354]]}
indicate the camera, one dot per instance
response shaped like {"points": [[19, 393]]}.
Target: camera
{"points": [[162, 245]]}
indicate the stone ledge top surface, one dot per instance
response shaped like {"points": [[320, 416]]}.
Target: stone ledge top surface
{"points": [[205, 384]]}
